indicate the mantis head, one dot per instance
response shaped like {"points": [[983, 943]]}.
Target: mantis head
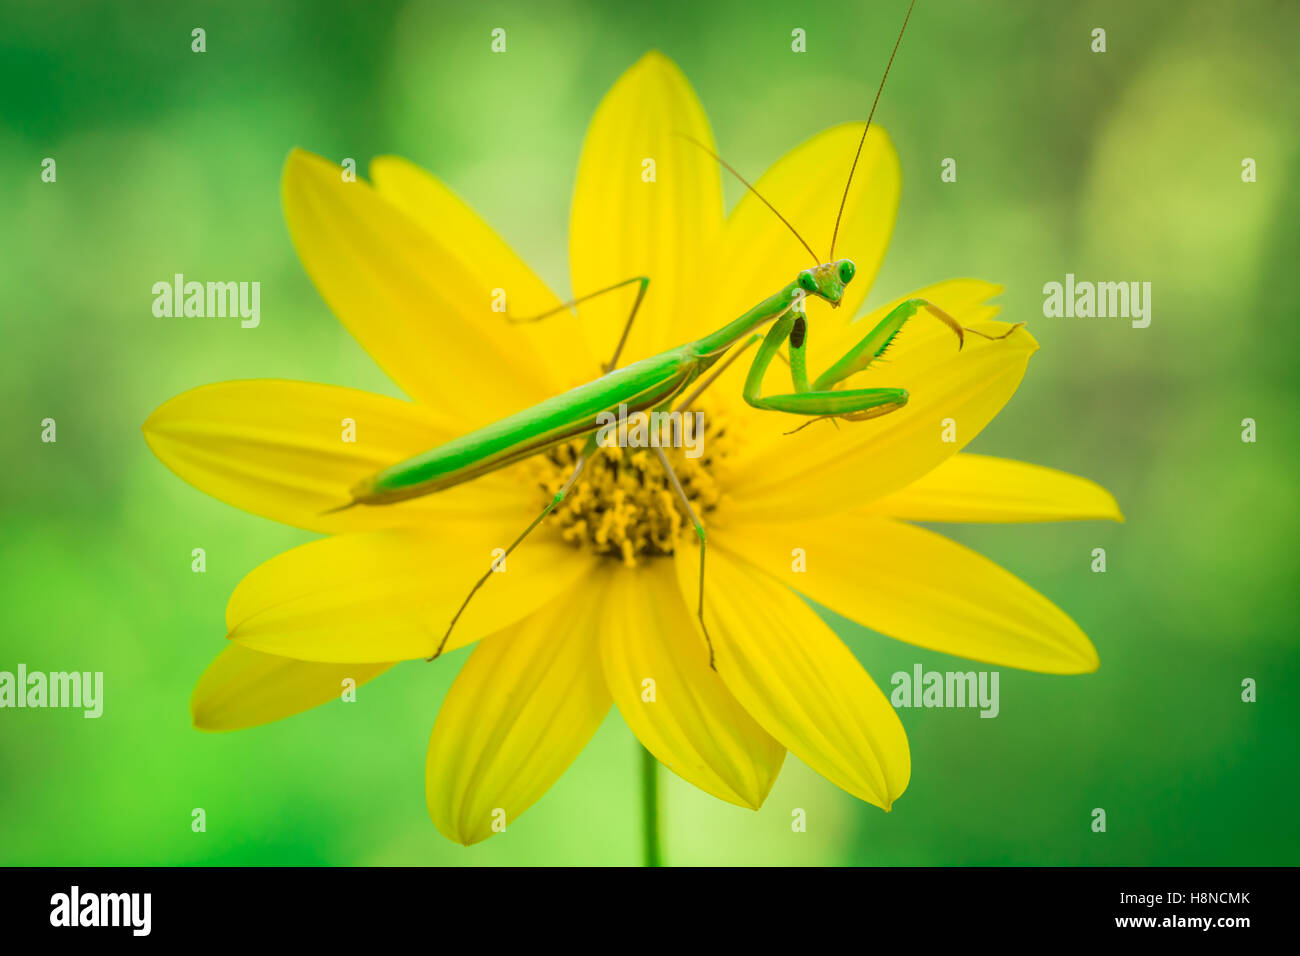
{"points": [[827, 280]]}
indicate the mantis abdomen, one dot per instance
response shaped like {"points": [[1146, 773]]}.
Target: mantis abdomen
{"points": [[640, 386]]}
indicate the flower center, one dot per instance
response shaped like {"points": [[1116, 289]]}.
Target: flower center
{"points": [[624, 505]]}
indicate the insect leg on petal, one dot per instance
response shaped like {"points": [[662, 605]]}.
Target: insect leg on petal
{"points": [[699, 533], [627, 326], [555, 501]]}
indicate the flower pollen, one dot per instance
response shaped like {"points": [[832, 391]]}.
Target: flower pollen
{"points": [[624, 506]]}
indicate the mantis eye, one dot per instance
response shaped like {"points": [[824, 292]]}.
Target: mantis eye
{"points": [[847, 270], [807, 282]]}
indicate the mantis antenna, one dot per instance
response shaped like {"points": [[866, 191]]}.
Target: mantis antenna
{"points": [[856, 156], [728, 167]]}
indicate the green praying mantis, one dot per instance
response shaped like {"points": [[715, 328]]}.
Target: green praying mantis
{"points": [[652, 384]]}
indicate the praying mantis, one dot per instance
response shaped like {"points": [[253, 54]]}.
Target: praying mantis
{"points": [[652, 384]]}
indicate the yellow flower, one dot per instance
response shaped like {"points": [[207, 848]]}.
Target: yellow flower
{"points": [[593, 605]]}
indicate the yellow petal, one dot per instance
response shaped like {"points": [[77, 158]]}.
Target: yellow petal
{"points": [[244, 688], [953, 395], [404, 294], [556, 341], [758, 255], [623, 226], [922, 588], [685, 716], [980, 488], [522, 708], [276, 448], [390, 595], [797, 679]]}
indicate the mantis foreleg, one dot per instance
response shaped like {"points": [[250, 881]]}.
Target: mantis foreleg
{"points": [[820, 397], [807, 400], [878, 339]]}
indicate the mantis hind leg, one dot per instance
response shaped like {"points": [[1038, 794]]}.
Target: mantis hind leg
{"points": [[627, 326], [559, 497], [699, 533]]}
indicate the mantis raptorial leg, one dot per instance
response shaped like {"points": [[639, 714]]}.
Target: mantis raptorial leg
{"points": [[819, 398]]}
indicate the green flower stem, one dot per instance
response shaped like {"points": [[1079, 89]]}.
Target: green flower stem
{"points": [[650, 808]]}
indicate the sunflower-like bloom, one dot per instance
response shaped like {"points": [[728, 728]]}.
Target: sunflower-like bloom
{"points": [[597, 606]]}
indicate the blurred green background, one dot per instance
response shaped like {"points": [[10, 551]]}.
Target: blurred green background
{"points": [[1122, 166]]}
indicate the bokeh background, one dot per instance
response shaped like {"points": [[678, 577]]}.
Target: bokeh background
{"points": [[1123, 165]]}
